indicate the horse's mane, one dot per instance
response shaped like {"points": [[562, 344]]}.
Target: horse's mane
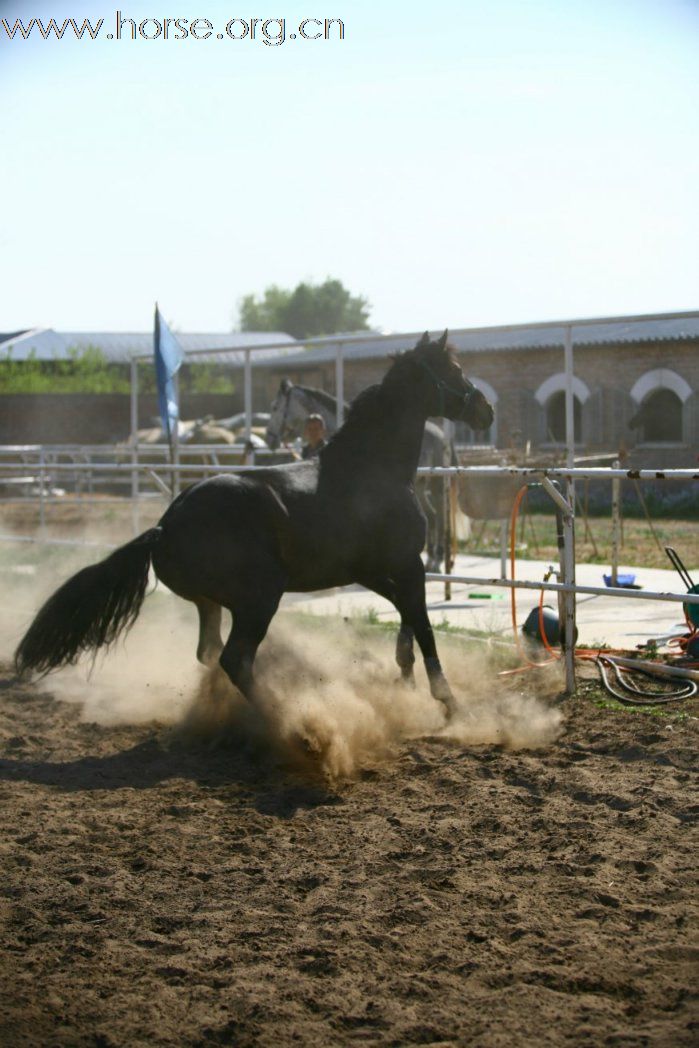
{"points": [[362, 427], [368, 419], [326, 399]]}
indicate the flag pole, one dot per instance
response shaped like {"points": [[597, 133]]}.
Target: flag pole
{"points": [[168, 356], [175, 443], [168, 430]]}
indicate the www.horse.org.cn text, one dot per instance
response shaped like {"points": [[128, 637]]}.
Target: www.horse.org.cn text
{"points": [[269, 31]]}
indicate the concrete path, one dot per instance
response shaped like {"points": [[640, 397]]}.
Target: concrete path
{"points": [[618, 621]]}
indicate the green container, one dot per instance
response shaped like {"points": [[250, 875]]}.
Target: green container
{"points": [[692, 610]]}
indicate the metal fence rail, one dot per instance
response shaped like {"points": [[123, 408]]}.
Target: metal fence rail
{"points": [[566, 586]]}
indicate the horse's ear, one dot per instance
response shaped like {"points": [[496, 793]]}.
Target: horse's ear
{"points": [[285, 385], [424, 341], [443, 340]]}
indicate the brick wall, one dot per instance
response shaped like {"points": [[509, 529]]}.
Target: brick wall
{"points": [[97, 418], [609, 372]]}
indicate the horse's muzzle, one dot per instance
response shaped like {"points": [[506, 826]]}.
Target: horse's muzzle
{"points": [[477, 411]]}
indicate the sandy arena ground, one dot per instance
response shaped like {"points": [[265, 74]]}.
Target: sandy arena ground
{"points": [[176, 873]]}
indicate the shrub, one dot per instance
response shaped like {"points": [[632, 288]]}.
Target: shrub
{"points": [[88, 371]]}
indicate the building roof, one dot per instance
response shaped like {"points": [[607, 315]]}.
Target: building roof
{"points": [[119, 346], [370, 346], [228, 347]]}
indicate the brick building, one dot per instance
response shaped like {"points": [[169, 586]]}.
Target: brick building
{"points": [[644, 371]]}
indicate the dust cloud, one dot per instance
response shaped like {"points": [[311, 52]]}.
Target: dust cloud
{"points": [[336, 699], [330, 697]]}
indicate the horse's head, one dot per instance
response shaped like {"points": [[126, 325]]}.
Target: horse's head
{"points": [[290, 409], [279, 419], [445, 390]]}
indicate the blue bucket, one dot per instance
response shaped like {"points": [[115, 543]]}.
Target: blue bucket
{"points": [[622, 581]]}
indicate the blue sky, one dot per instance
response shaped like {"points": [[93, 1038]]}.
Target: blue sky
{"points": [[458, 163]]}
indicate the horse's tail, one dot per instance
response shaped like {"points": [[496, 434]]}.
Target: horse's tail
{"points": [[90, 610]]}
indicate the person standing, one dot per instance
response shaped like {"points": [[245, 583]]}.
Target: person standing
{"points": [[314, 434]]}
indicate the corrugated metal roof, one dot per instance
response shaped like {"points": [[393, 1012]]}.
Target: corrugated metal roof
{"points": [[488, 340], [120, 346], [227, 347]]}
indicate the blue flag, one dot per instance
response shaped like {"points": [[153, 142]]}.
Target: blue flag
{"points": [[168, 355]]}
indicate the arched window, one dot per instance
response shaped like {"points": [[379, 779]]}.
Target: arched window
{"points": [[551, 395], [556, 418], [660, 418], [661, 395]]}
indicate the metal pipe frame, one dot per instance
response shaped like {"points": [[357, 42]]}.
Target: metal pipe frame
{"points": [[568, 587], [527, 472], [565, 587], [562, 472], [565, 326]]}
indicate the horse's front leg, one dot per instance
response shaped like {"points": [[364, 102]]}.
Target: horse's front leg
{"points": [[410, 600]]}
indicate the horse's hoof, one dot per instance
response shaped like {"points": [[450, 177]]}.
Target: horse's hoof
{"points": [[449, 707], [442, 693]]}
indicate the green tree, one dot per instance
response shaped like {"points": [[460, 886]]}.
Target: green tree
{"points": [[308, 310]]}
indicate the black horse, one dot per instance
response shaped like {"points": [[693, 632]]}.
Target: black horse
{"points": [[292, 406], [240, 541]]}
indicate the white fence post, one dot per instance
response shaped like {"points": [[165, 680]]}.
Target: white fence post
{"points": [[247, 398], [569, 601], [503, 549], [569, 398], [134, 447], [616, 491], [568, 580], [340, 383], [42, 481]]}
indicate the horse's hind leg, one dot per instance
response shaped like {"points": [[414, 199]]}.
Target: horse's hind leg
{"points": [[251, 619], [405, 656], [424, 497], [210, 644], [440, 523]]}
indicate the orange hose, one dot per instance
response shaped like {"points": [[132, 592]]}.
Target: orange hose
{"points": [[584, 654]]}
